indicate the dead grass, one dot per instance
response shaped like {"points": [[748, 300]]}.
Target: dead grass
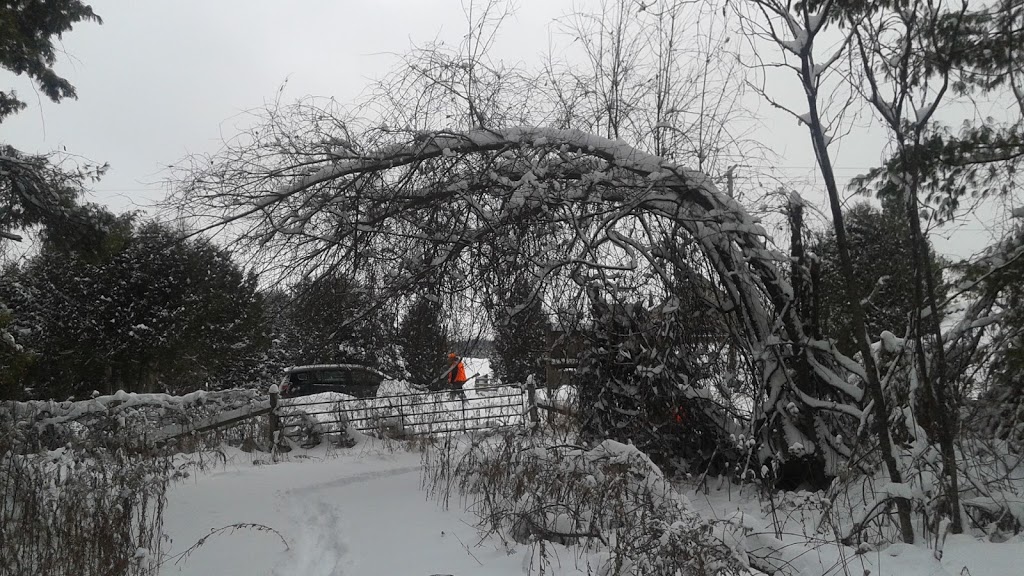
{"points": [[87, 508]]}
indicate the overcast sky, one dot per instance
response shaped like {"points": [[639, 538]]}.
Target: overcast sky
{"points": [[163, 78], [160, 79]]}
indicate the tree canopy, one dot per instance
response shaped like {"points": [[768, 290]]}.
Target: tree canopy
{"points": [[28, 29], [34, 190], [155, 313]]}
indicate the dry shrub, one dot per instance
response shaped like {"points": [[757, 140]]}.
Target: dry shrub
{"points": [[859, 506], [610, 503], [82, 510], [80, 491]]}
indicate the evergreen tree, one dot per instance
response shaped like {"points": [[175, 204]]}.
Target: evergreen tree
{"points": [[334, 320], [997, 283], [424, 342], [158, 313], [34, 191], [880, 253], [322, 312], [636, 382], [28, 29], [520, 335]]}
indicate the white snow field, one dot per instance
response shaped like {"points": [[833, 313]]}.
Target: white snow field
{"points": [[962, 555], [326, 511], [362, 511], [357, 511]]}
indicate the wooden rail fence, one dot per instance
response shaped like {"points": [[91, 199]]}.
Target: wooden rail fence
{"points": [[410, 414]]}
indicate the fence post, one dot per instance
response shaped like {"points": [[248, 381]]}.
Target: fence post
{"points": [[531, 399], [275, 422]]}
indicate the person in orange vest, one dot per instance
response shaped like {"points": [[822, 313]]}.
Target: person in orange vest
{"points": [[456, 376]]}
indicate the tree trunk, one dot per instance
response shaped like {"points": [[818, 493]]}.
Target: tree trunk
{"points": [[856, 309], [801, 297], [943, 419]]}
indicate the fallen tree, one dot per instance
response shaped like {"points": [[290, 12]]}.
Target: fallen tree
{"points": [[408, 206]]}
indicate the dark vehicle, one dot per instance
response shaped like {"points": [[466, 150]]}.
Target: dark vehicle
{"points": [[351, 379]]}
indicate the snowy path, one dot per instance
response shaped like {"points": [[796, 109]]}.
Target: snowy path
{"points": [[357, 513], [362, 512]]}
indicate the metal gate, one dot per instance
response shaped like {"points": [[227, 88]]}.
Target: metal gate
{"points": [[415, 413]]}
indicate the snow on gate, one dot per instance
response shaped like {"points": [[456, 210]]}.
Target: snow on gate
{"points": [[400, 410]]}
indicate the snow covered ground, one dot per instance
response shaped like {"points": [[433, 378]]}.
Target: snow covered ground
{"points": [[326, 511], [362, 511], [358, 511], [962, 555], [478, 367]]}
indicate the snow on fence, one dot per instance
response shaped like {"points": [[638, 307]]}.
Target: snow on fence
{"points": [[399, 411], [35, 425], [216, 421]]}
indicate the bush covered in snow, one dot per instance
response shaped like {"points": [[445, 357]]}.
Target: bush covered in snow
{"points": [[644, 378], [610, 504], [861, 505], [138, 419], [78, 498]]}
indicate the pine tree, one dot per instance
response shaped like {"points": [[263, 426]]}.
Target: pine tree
{"points": [[157, 313], [520, 335], [636, 382], [336, 320], [881, 259], [35, 191], [28, 30], [424, 342], [997, 283]]}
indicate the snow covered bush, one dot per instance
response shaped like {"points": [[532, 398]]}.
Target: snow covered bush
{"points": [[92, 505], [610, 504], [645, 379], [124, 420], [154, 312], [859, 507]]}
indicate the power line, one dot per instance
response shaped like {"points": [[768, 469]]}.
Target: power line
{"points": [[103, 190]]}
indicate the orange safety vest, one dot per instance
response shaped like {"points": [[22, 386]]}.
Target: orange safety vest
{"points": [[457, 375]]}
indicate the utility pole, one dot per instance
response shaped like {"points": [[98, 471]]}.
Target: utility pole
{"points": [[729, 180]]}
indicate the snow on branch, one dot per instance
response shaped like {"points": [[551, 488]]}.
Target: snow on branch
{"points": [[441, 204]]}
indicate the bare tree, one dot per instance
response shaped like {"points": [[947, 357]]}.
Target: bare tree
{"points": [[795, 28], [906, 62], [597, 198], [657, 74], [312, 187]]}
